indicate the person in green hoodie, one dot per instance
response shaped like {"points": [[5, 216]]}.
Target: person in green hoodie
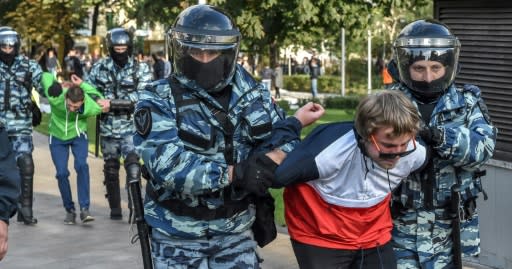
{"points": [[71, 103]]}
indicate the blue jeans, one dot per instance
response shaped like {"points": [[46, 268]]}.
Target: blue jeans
{"points": [[59, 150], [314, 87]]}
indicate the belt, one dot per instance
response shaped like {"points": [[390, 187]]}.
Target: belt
{"points": [[200, 212]]}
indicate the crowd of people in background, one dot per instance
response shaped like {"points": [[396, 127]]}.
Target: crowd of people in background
{"points": [[272, 77], [79, 60]]}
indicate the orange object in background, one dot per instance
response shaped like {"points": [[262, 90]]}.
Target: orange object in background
{"points": [[386, 77]]}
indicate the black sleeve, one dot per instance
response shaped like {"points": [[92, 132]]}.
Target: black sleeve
{"points": [[9, 178]]}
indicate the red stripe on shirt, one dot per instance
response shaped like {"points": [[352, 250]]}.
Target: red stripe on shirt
{"points": [[312, 221]]}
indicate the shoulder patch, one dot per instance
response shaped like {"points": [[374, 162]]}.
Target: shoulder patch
{"points": [[143, 121]]}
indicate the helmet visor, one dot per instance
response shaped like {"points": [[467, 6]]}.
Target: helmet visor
{"points": [[120, 39], [205, 36], [433, 78], [211, 66], [8, 38]]}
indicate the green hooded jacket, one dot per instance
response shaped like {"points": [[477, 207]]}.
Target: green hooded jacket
{"points": [[64, 124]]}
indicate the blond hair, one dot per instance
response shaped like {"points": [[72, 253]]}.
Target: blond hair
{"points": [[387, 108]]}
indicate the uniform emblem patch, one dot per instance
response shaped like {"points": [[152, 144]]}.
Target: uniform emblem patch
{"points": [[143, 121]]}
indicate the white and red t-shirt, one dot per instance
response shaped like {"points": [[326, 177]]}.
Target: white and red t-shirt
{"points": [[336, 196]]}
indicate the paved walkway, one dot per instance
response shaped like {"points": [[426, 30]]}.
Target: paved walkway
{"points": [[101, 244]]}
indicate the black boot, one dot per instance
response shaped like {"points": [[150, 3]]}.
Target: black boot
{"points": [[111, 170], [26, 166]]}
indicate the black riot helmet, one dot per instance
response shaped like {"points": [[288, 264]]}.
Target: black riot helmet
{"points": [[119, 37], [204, 42], [427, 40], [9, 38]]}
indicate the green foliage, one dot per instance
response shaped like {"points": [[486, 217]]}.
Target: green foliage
{"points": [[153, 11], [297, 83], [7, 6], [335, 102], [47, 22], [283, 104], [356, 81], [279, 206], [347, 102], [266, 26], [388, 20]]}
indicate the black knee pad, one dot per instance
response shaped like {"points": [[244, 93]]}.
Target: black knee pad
{"points": [[111, 169], [26, 164], [132, 167], [131, 158]]}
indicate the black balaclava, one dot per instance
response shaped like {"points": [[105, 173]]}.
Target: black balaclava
{"points": [[206, 75], [428, 92], [120, 59], [7, 58]]}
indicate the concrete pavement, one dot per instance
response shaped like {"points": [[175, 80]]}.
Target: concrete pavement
{"points": [[102, 243]]}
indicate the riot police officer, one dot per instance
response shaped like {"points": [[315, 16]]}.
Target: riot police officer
{"points": [[18, 75], [193, 130], [458, 131], [119, 77]]}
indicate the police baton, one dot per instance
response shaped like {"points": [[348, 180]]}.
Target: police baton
{"points": [[142, 227], [97, 137], [456, 213]]}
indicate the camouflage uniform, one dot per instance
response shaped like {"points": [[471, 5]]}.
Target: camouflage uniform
{"points": [[116, 127], [16, 83], [422, 232], [196, 174], [119, 83], [15, 111]]}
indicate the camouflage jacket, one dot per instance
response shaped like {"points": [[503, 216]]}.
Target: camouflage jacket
{"points": [[468, 140], [192, 172], [16, 83], [124, 83]]}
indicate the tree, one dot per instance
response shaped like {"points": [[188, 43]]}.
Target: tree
{"points": [[157, 11], [271, 24], [47, 22], [7, 6], [266, 25], [394, 15]]}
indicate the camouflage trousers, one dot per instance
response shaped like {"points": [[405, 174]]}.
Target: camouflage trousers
{"points": [[421, 240], [22, 144], [114, 148], [236, 251]]}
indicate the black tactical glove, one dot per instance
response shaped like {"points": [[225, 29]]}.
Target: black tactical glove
{"points": [[255, 174], [431, 136]]}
